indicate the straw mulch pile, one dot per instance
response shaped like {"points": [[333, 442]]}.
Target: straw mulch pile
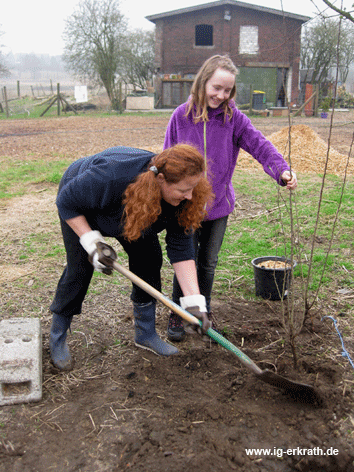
{"points": [[306, 151]]}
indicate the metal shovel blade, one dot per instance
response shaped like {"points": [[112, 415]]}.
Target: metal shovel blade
{"points": [[298, 391]]}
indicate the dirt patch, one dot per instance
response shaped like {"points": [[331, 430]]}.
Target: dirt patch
{"points": [[124, 409]]}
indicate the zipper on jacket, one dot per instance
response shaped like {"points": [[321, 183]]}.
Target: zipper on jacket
{"points": [[205, 162], [228, 201], [205, 157]]}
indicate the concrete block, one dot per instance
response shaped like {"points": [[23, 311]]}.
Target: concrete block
{"points": [[140, 103], [280, 111], [20, 360]]}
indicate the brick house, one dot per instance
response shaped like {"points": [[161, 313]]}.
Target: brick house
{"points": [[263, 43]]}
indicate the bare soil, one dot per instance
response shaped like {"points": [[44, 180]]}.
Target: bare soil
{"points": [[125, 409]]}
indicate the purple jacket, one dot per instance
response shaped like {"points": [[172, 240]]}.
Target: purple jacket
{"points": [[223, 143]]}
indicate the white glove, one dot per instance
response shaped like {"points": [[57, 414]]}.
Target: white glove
{"points": [[89, 242], [196, 305]]}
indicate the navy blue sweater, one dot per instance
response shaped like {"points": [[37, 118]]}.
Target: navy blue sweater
{"points": [[94, 186]]}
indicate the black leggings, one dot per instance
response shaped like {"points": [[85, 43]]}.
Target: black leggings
{"points": [[145, 260]]}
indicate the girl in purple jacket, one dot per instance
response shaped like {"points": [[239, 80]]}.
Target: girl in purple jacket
{"points": [[210, 121]]}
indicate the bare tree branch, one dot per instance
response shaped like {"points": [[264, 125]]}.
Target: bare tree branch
{"points": [[339, 10]]}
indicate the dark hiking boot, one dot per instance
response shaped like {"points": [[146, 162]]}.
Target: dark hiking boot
{"points": [[175, 330]]}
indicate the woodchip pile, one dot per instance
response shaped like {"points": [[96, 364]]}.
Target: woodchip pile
{"points": [[308, 152]]}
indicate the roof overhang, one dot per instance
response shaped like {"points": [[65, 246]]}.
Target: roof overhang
{"points": [[158, 16]]}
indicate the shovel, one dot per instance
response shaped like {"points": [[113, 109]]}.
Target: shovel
{"points": [[298, 391]]}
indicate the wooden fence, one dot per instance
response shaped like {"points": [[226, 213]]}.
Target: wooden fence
{"points": [[10, 99]]}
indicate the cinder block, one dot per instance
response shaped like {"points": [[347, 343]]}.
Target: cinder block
{"points": [[280, 111], [140, 103], [20, 361]]}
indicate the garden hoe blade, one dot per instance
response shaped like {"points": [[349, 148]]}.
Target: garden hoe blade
{"points": [[298, 391]]}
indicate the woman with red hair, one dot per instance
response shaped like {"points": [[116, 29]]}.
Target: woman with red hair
{"points": [[131, 195]]}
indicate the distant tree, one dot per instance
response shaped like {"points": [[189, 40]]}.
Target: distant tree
{"points": [[94, 41], [138, 58], [4, 71], [325, 42], [346, 50], [31, 63], [55, 63]]}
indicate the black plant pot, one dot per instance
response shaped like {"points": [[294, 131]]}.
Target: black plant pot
{"points": [[272, 283]]}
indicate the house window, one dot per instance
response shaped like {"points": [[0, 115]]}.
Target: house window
{"points": [[203, 35], [248, 40]]}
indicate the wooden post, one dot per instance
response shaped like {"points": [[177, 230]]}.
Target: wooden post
{"points": [[51, 86], [60, 102], [18, 89], [251, 99], [58, 98], [51, 103], [315, 105], [68, 106], [120, 98], [6, 103], [298, 112]]}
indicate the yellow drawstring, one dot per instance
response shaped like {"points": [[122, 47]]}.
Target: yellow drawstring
{"points": [[205, 152]]}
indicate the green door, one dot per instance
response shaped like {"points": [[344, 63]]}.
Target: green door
{"points": [[260, 78]]}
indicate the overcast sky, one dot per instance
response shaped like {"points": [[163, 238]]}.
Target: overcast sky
{"points": [[37, 25]]}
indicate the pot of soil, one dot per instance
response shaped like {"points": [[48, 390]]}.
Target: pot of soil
{"points": [[272, 276]]}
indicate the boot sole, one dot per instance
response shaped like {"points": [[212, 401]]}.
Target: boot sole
{"points": [[66, 367], [151, 350], [146, 348]]}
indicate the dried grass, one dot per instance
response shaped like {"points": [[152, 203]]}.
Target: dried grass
{"points": [[308, 152]]}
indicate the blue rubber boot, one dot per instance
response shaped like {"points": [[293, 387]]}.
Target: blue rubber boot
{"points": [[145, 334], [59, 350]]}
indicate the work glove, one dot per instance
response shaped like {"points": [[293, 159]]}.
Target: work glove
{"points": [[196, 305], [101, 255]]}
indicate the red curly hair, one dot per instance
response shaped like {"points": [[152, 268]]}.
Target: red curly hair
{"points": [[142, 198]]}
